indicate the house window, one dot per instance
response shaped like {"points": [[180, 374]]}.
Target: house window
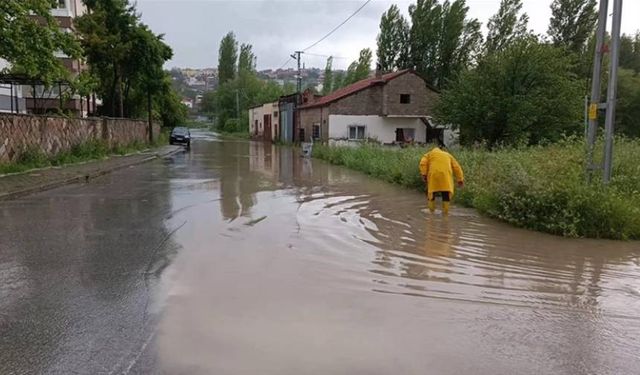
{"points": [[405, 98], [316, 131], [60, 4], [301, 134], [275, 114], [356, 132]]}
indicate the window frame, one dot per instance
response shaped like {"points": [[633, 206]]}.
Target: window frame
{"points": [[356, 128], [313, 130]]}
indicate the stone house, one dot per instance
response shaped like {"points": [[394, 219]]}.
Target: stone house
{"points": [[390, 108]]}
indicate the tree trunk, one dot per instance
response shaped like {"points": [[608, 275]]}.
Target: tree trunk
{"points": [[114, 91]]}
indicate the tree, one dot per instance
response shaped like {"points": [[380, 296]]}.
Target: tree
{"points": [[29, 44], [359, 69], [338, 80], [630, 52], [328, 77], [126, 61], [525, 93], [572, 23], [443, 41], [628, 105], [246, 60], [227, 58], [506, 26], [393, 41], [105, 34]]}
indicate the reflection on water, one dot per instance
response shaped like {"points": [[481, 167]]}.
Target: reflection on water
{"points": [[290, 264], [412, 252]]}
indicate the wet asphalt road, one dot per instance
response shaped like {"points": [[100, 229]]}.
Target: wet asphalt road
{"points": [[241, 258]]}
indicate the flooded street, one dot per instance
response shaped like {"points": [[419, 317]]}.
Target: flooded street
{"points": [[292, 266], [258, 261]]}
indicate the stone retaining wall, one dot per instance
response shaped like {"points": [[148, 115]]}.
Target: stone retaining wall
{"points": [[52, 134]]}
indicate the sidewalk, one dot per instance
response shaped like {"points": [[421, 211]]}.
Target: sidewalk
{"points": [[15, 185]]}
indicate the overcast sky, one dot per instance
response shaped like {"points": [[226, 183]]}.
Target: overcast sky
{"points": [[276, 28]]}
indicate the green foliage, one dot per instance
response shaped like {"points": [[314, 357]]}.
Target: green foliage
{"points": [[231, 101], [524, 94], [327, 83], [541, 188], [506, 26], [443, 41], [126, 62], [93, 150], [358, 70], [572, 23], [246, 60], [167, 106], [628, 105], [393, 41], [338, 80], [630, 52], [30, 44], [227, 58]]}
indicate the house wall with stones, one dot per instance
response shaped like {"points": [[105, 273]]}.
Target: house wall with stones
{"points": [[421, 99], [380, 99], [310, 117], [52, 135], [365, 102]]}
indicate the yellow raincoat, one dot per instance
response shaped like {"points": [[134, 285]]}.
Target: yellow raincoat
{"points": [[439, 167]]}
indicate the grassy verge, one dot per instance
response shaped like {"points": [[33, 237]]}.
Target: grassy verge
{"points": [[541, 188], [94, 150]]}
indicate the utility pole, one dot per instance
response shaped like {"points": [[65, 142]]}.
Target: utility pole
{"points": [[595, 86], [612, 90], [237, 105], [296, 56]]}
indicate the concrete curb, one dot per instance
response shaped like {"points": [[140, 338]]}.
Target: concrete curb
{"points": [[84, 178]]}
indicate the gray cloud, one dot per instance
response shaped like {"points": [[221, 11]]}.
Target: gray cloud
{"points": [[194, 28]]}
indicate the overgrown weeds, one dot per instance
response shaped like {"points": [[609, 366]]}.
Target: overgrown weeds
{"points": [[542, 188], [33, 158]]}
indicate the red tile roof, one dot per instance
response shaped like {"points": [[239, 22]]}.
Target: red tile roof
{"points": [[353, 88]]}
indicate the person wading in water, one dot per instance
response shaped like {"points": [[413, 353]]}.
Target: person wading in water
{"points": [[437, 168]]}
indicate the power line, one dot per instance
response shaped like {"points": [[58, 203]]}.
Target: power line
{"points": [[337, 27], [317, 55], [285, 63]]}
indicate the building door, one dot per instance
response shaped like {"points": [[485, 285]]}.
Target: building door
{"points": [[267, 128]]}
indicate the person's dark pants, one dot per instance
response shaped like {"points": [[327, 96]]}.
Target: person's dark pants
{"points": [[446, 197]]}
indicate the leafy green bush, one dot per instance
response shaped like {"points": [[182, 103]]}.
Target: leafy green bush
{"points": [[541, 188]]}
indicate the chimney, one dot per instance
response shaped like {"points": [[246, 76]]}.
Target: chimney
{"points": [[378, 71]]}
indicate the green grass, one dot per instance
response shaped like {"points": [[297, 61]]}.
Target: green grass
{"points": [[93, 150], [541, 188]]}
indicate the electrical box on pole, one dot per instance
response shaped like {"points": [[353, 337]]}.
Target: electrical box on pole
{"points": [[596, 86], [610, 106], [612, 90]]}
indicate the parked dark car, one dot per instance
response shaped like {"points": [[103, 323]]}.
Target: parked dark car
{"points": [[180, 136]]}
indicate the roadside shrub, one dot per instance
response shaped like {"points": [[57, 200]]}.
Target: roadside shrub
{"points": [[542, 187]]}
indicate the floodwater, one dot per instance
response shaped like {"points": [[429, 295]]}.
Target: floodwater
{"points": [[292, 266], [242, 258]]}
